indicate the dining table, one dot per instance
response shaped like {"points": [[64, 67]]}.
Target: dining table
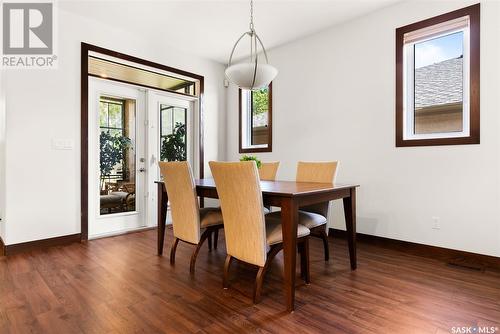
{"points": [[290, 196]]}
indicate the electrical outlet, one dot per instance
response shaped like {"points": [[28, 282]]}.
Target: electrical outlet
{"points": [[436, 223]]}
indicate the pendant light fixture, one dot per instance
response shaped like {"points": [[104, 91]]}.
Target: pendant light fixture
{"points": [[251, 74]]}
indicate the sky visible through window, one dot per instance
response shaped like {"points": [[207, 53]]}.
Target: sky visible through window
{"points": [[438, 49]]}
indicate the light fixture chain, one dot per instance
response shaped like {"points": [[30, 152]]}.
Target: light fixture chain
{"points": [[251, 75], [251, 16]]}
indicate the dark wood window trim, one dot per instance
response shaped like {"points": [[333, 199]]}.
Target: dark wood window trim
{"points": [[269, 147], [84, 126], [474, 135]]}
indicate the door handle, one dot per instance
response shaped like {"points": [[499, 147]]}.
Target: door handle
{"points": [[142, 170]]}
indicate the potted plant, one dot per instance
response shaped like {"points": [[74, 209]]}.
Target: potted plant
{"points": [[251, 158]]}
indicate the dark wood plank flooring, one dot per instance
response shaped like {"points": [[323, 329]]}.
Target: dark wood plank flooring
{"points": [[119, 285]]}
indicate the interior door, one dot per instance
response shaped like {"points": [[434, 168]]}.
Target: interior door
{"points": [[117, 151]]}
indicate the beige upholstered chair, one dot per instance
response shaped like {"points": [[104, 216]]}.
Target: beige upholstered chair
{"points": [[248, 237], [314, 217], [190, 223], [268, 170]]}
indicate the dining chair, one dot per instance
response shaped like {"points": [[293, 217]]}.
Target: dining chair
{"points": [[191, 224], [315, 217], [248, 237], [268, 170]]}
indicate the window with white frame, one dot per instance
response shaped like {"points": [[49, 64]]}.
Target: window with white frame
{"points": [[438, 62]]}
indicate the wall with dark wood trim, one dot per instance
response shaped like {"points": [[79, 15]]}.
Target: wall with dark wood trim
{"points": [[44, 184], [40, 244], [449, 256], [2, 247], [334, 99]]}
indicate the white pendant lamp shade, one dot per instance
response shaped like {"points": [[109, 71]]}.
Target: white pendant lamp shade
{"points": [[242, 75], [251, 74]]}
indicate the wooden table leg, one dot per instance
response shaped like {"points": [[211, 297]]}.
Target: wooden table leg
{"points": [[350, 221], [289, 217], [162, 216]]}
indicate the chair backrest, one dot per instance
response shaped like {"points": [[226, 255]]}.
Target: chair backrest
{"points": [[240, 197], [183, 201], [268, 170], [320, 172]]}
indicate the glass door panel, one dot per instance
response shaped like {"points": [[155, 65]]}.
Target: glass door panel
{"points": [[117, 143], [117, 165], [173, 133]]}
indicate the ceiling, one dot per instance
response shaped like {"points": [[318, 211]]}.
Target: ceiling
{"points": [[210, 28]]}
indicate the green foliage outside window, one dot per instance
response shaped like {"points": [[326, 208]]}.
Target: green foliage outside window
{"points": [[173, 146], [112, 152], [260, 101]]}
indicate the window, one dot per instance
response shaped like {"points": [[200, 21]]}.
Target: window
{"points": [[112, 129], [173, 144], [112, 70], [117, 164], [437, 80], [256, 120]]}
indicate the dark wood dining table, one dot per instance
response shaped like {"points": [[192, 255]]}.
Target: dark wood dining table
{"points": [[289, 196]]}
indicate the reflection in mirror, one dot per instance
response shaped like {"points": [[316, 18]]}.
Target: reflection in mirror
{"points": [[117, 139]]}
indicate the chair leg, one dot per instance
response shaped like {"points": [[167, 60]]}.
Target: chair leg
{"points": [[204, 236], [216, 237], [275, 249], [258, 284], [326, 248], [305, 271], [173, 250], [225, 278], [210, 241]]}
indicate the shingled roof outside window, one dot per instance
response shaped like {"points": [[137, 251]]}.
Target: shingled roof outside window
{"points": [[439, 84]]}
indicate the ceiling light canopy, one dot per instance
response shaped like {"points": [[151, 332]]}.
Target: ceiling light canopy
{"points": [[251, 74]]}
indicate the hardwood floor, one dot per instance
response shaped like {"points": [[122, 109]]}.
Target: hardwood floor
{"points": [[120, 285]]}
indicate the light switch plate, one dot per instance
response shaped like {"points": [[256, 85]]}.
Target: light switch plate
{"points": [[62, 144]]}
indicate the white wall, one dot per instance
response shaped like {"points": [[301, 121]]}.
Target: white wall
{"points": [[42, 184], [334, 100]]}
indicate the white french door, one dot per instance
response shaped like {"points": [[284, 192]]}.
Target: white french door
{"points": [[117, 158], [171, 136], [130, 130], [175, 122]]}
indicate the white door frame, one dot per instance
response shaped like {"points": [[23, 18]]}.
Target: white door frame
{"points": [[89, 49], [154, 98], [116, 223]]}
